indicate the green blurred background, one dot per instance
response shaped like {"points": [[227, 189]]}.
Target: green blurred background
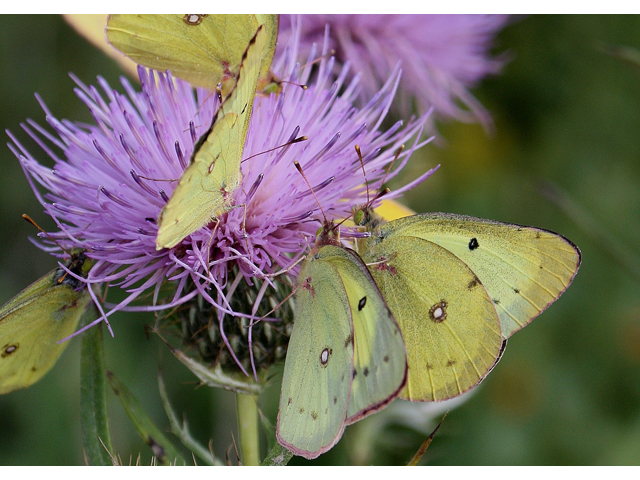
{"points": [[567, 390]]}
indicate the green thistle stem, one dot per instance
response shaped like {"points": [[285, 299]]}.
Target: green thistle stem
{"points": [[248, 429]]}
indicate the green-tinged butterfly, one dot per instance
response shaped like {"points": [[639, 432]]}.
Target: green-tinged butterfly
{"points": [[202, 49], [459, 286], [346, 356], [204, 189], [34, 321]]}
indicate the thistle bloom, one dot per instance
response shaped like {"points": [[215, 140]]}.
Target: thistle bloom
{"points": [[110, 180], [442, 55]]}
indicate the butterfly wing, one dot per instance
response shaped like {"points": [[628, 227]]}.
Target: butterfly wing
{"points": [[450, 327], [201, 49], [31, 324], [204, 189], [317, 372], [524, 269], [379, 360]]}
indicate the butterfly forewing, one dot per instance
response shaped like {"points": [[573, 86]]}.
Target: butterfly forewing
{"points": [[318, 368], [201, 49], [524, 269]]}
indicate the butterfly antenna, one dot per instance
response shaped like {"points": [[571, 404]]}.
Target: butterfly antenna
{"points": [[398, 152], [364, 173], [302, 86], [32, 222], [290, 142], [299, 168], [329, 54]]}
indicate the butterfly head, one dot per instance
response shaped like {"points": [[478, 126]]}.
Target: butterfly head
{"points": [[328, 234]]}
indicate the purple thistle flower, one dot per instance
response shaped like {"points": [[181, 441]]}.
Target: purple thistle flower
{"points": [[110, 180], [442, 55]]}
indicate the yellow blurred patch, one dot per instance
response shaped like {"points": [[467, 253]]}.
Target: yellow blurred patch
{"points": [[92, 28], [391, 210]]}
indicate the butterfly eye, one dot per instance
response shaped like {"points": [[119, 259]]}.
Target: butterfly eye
{"points": [[473, 244]]}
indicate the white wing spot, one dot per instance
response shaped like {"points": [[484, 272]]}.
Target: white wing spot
{"points": [[193, 19], [324, 356], [438, 312]]}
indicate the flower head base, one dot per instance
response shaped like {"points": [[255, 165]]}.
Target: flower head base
{"points": [[111, 180], [442, 55]]}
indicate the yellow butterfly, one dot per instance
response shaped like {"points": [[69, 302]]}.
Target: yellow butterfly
{"points": [[33, 321], [458, 286], [202, 49], [346, 357], [205, 188]]}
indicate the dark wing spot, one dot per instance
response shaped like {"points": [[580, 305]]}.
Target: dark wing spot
{"points": [[473, 244], [301, 410], [348, 341], [362, 303], [472, 284], [335, 400], [354, 373], [386, 358], [496, 301], [516, 290], [314, 415], [429, 366], [34, 369], [366, 372], [9, 349], [538, 235], [451, 363], [289, 401]]}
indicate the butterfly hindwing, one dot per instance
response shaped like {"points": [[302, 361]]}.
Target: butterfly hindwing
{"points": [[318, 370], [341, 317]]}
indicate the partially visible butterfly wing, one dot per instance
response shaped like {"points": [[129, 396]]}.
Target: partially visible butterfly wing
{"points": [[317, 370], [271, 23], [201, 49], [204, 189], [379, 360], [450, 327], [524, 269], [31, 324]]}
